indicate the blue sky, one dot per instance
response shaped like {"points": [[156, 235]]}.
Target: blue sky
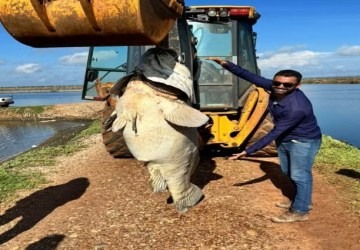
{"points": [[317, 38]]}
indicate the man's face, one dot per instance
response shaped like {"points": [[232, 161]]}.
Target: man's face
{"points": [[283, 85]]}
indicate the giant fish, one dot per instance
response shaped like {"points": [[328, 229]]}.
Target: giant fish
{"points": [[154, 113]]}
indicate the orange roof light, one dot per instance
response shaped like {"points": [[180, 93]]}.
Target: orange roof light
{"points": [[248, 12], [240, 12]]}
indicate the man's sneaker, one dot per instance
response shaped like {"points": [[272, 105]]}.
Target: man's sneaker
{"points": [[287, 204], [284, 204], [290, 217]]}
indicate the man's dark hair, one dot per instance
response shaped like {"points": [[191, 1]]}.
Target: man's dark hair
{"points": [[289, 73]]}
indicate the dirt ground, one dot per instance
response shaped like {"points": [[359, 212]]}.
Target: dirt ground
{"points": [[93, 201]]}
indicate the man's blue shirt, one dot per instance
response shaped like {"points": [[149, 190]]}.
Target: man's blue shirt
{"points": [[293, 116]]}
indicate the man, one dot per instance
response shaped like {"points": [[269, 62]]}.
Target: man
{"points": [[296, 133]]}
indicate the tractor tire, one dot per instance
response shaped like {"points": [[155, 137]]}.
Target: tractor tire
{"points": [[264, 128], [114, 141]]}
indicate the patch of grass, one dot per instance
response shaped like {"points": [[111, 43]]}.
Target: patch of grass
{"points": [[338, 153], [340, 163], [11, 181], [30, 109], [92, 129], [43, 156], [17, 174]]}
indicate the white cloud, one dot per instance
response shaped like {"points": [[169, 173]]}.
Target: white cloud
{"points": [[349, 51], [81, 58], [77, 58], [28, 68], [312, 63], [104, 55], [289, 59]]}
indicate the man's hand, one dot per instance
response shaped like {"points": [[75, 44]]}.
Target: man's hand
{"points": [[217, 60], [237, 156]]}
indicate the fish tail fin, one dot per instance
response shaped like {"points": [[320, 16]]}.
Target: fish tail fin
{"points": [[192, 196]]}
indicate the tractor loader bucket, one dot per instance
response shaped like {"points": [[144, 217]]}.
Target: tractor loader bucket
{"points": [[67, 23]]}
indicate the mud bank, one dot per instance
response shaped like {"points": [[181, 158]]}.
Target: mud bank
{"points": [[73, 111]]}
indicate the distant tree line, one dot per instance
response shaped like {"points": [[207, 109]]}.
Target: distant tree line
{"points": [[330, 80], [54, 88]]}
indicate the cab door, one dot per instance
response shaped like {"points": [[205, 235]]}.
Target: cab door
{"points": [[105, 66]]}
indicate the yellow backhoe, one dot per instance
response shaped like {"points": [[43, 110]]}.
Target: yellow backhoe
{"points": [[124, 29]]}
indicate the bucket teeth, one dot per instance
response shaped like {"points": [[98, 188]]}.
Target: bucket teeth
{"points": [[89, 12], [40, 10]]}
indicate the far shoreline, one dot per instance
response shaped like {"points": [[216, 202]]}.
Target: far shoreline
{"points": [[79, 88], [41, 89]]}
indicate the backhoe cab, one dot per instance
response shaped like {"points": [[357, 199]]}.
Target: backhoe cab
{"points": [[120, 31]]}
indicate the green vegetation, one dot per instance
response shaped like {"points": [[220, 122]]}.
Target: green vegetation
{"points": [[29, 110], [338, 154], [332, 80], [12, 180], [19, 173], [340, 164]]}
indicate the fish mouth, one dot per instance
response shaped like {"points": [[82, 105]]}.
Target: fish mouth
{"points": [[166, 90]]}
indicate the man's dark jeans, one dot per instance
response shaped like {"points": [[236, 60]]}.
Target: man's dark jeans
{"points": [[296, 161]]}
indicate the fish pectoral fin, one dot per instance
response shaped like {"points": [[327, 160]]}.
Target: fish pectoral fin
{"points": [[123, 118], [118, 124], [184, 115]]}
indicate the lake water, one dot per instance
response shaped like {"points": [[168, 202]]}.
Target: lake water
{"points": [[17, 137], [47, 98], [337, 107]]}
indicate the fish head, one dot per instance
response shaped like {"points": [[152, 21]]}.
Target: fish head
{"points": [[160, 65]]}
